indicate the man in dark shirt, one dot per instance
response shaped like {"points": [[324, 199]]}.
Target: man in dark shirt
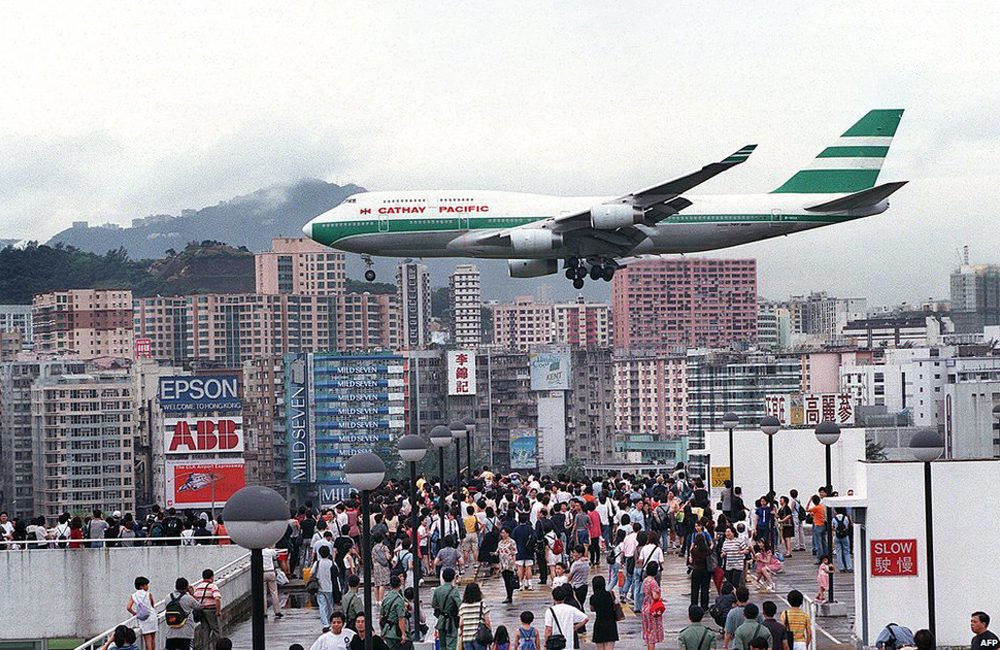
{"points": [[776, 628], [524, 537], [984, 639]]}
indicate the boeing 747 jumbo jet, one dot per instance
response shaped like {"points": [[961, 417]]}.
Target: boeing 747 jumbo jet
{"points": [[596, 235]]}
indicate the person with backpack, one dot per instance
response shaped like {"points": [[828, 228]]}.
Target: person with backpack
{"points": [[446, 602], [142, 605], [172, 527], [179, 616], [842, 542], [894, 636]]}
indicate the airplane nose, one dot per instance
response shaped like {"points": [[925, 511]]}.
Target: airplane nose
{"points": [[307, 229]]}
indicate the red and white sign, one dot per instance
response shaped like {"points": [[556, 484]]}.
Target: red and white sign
{"points": [[461, 372], [778, 406], [200, 484], [894, 557], [825, 407], [143, 348], [194, 435]]}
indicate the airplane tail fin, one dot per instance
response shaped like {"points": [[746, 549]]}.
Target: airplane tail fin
{"points": [[852, 163]]}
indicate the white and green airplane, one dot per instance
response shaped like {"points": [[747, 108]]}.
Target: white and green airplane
{"points": [[596, 235]]}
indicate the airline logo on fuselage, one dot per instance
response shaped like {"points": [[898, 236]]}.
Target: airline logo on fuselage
{"points": [[421, 209]]}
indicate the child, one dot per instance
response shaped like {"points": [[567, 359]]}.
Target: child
{"points": [[526, 636], [560, 577], [823, 578], [501, 640]]}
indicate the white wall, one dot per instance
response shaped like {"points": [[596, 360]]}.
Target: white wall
{"points": [[552, 428], [966, 557], [799, 460], [81, 592]]}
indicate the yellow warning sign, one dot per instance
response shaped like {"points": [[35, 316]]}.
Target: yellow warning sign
{"points": [[719, 476]]}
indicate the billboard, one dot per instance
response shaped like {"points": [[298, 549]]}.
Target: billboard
{"points": [[549, 370], [523, 449], [199, 484], [893, 557], [202, 435], [301, 464], [199, 394], [461, 372], [811, 408], [143, 348]]}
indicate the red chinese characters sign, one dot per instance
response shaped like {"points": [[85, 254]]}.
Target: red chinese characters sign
{"points": [[461, 372], [894, 557]]}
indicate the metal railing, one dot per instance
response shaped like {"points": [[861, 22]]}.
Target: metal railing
{"points": [[120, 542], [224, 575]]}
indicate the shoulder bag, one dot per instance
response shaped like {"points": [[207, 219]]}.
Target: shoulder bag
{"points": [[555, 641], [484, 636]]}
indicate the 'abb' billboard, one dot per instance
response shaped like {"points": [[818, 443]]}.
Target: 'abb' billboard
{"points": [[202, 435]]}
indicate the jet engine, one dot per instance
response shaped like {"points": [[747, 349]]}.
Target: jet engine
{"points": [[534, 240], [532, 268], [614, 215]]}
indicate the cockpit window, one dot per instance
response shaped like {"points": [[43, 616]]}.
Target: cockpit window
{"points": [[350, 201]]}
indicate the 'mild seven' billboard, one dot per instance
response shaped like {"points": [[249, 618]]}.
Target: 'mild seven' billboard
{"points": [[201, 394]]}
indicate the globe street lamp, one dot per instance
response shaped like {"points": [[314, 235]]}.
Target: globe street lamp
{"points": [[770, 426], [256, 517], [828, 433], [730, 420], [365, 473], [927, 446], [470, 428], [441, 437], [412, 449], [459, 433]]}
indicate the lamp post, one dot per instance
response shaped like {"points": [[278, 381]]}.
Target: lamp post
{"points": [[365, 473], [441, 438], [412, 449], [256, 517], [470, 429], [828, 433], [770, 426], [927, 446], [730, 420], [458, 432]]}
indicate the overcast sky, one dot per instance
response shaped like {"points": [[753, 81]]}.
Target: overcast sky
{"points": [[113, 111]]}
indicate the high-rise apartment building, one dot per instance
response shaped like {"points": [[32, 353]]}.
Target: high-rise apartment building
{"points": [[975, 296], [85, 322], [17, 318], [651, 394], [296, 265], [367, 321], [720, 382], [16, 440], [522, 324], [582, 324], [83, 433], [266, 454], [413, 286], [227, 329], [11, 344], [672, 304], [774, 326], [466, 306], [590, 407]]}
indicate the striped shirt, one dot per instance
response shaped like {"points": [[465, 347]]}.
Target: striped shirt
{"points": [[734, 551], [468, 616], [797, 621]]}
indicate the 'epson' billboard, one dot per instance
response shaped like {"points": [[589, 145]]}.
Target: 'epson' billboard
{"points": [[199, 394]]}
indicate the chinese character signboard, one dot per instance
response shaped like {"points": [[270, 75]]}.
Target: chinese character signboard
{"points": [[720, 475], [199, 394], [143, 348], [549, 370], [461, 372], [810, 409], [894, 557]]}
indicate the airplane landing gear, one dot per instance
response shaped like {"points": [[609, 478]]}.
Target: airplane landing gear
{"points": [[370, 272], [577, 270]]}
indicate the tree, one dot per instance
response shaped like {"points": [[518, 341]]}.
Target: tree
{"points": [[874, 450]]}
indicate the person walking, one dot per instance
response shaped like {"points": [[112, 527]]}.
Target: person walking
{"points": [[701, 577], [322, 568], [206, 592], [696, 636], [471, 614], [602, 603], [142, 605], [842, 542], [798, 518], [507, 553], [734, 553], [393, 615], [446, 603], [564, 620], [381, 565], [179, 616], [797, 621], [652, 607], [271, 579]]}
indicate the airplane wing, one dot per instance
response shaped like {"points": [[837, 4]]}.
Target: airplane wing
{"points": [[660, 201]]}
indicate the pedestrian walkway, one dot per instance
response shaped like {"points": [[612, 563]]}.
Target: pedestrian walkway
{"points": [[301, 622]]}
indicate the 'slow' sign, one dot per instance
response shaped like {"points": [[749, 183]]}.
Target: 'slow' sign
{"points": [[894, 557]]}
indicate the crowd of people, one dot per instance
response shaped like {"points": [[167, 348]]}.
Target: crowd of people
{"points": [[599, 547]]}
